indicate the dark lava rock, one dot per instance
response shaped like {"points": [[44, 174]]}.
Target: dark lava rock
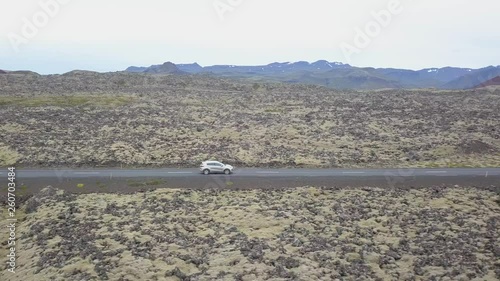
{"points": [[496, 251], [177, 273], [394, 255], [476, 147], [280, 272], [287, 262], [253, 249], [36, 200], [418, 271]]}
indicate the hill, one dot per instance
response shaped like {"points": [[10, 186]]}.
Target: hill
{"points": [[474, 78], [23, 72], [165, 68], [80, 73], [338, 75], [492, 82]]}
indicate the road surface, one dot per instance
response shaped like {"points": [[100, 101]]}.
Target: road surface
{"points": [[130, 180], [253, 172]]}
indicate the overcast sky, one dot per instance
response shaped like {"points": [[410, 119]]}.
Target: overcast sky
{"points": [[110, 35]]}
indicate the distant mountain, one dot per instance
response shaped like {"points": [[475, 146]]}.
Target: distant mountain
{"points": [[79, 72], [23, 72], [338, 75], [167, 67], [345, 78], [136, 69], [273, 68], [492, 82], [3, 72], [191, 68], [425, 78], [445, 74], [474, 78]]}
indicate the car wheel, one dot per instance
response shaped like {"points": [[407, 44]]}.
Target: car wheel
{"points": [[227, 172], [206, 171]]}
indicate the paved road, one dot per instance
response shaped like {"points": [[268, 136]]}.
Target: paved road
{"points": [[253, 172], [132, 180]]}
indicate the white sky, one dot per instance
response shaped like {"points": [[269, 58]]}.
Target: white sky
{"points": [[110, 35]]}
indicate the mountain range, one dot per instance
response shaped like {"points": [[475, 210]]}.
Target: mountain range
{"points": [[335, 75], [338, 75]]}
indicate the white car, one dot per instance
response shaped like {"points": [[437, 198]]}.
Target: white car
{"points": [[214, 167]]}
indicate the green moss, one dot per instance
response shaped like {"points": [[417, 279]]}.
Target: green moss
{"points": [[8, 156], [152, 182], [22, 190], [100, 184]]}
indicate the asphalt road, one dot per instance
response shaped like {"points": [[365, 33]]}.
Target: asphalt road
{"points": [[252, 172], [132, 180]]}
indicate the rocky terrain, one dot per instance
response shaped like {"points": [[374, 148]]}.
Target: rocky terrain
{"points": [[122, 119], [308, 233]]}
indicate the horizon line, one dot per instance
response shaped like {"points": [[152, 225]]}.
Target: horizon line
{"points": [[275, 62]]}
